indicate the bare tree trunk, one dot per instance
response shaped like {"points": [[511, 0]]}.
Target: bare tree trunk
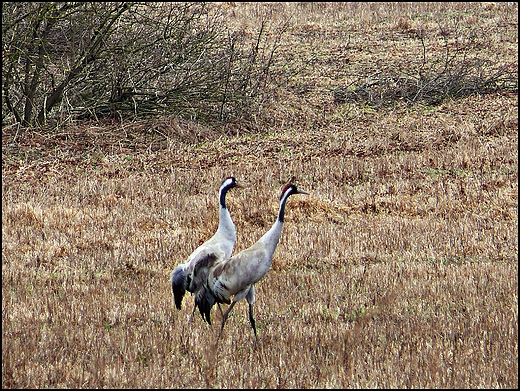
{"points": [[91, 53]]}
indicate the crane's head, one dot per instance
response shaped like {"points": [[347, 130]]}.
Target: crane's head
{"points": [[229, 183], [291, 189]]}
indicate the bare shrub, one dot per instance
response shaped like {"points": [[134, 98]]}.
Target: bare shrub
{"points": [[464, 67], [91, 60]]}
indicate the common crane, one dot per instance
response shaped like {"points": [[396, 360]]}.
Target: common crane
{"points": [[189, 276], [237, 275]]}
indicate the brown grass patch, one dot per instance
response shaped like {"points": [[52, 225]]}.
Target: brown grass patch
{"points": [[400, 269]]}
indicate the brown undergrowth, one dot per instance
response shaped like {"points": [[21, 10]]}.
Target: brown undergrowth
{"points": [[400, 269]]}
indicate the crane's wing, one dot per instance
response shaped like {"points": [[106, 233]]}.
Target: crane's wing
{"points": [[204, 298], [190, 277], [200, 266], [204, 260]]}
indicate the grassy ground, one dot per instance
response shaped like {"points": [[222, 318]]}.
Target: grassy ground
{"points": [[400, 269]]}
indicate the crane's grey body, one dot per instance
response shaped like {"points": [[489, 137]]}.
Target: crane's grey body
{"points": [[191, 275], [236, 276]]}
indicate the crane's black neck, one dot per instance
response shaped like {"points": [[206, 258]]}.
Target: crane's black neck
{"points": [[226, 185], [222, 198], [283, 200]]}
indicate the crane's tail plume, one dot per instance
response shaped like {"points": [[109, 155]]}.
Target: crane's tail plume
{"points": [[178, 279], [205, 300]]}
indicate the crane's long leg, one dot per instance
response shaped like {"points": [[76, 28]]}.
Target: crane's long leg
{"points": [[224, 318], [251, 298], [251, 318]]}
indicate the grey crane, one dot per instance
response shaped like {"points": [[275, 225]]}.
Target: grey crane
{"points": [[237, 275], [190, 276]]}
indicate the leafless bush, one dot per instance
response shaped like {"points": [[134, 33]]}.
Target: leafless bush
{"points": [[91, 60], [461, 71]]}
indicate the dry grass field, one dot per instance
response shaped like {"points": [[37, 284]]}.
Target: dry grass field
{"points": [[400, 269]]}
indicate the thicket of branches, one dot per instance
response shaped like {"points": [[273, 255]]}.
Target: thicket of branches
{"points": [[464, 69], [120, 59]]}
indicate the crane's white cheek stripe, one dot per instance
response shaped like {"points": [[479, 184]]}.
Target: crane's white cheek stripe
{"points": [[286, 194], [227, 182]]}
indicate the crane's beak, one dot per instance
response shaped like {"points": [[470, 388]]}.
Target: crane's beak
{"points": [[301, 192]]}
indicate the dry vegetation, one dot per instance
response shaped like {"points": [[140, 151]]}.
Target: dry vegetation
{"points": [[399, 270]]}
